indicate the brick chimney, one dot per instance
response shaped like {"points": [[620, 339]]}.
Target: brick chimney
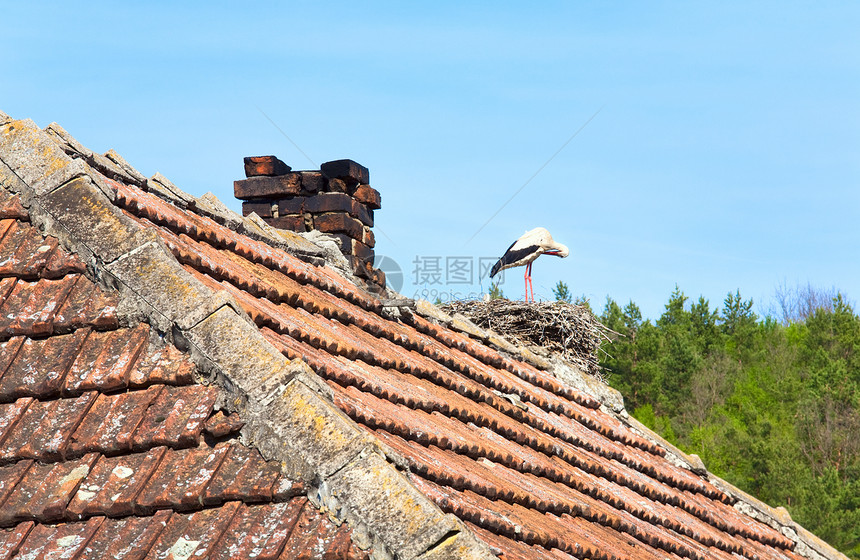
{"points": [[336, 200]]}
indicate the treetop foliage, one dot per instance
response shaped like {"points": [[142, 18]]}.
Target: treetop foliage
{"points": [[771, 404]]}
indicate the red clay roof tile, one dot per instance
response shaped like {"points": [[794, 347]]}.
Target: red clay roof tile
{"points": [[175, 417], [163, 365], [10, 207], [308, 533], [111, 422], [24, 252], [67, 540], [87, 306], [6, 286], [10, 476], [44, 490], [243, 475], [43, 431], [61, 263], [220, 425], [259, 531], [10, 413], [180, 480], [38, 367], [30, 308], [106, 360], [12, 538], [5, 224], [8, 352], [127, 538], [193, 535], [113, 484]]}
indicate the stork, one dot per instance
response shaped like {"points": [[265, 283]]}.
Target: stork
{"points": [[525, 250]]}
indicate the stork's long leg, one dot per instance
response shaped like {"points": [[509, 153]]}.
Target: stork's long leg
{"points": [[529, 287], [526, 283]]}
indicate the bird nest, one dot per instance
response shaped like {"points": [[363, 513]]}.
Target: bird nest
{"points": [[571, 331]]}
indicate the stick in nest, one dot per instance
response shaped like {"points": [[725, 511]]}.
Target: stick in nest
{"points": [[571, 331]]}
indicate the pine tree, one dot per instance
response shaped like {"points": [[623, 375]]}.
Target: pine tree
{"points": [[561, 292]]}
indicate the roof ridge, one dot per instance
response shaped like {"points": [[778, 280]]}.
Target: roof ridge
{"points": [[287, 409]]}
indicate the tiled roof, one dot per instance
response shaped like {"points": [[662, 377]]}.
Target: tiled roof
{"points": [[108, 447], [418, 414]]}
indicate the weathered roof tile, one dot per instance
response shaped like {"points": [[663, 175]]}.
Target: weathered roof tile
{"points": [[180, 480], [24, 252], [127, 538], [258, 531], [30, 308], [106, 360], [10, 476], [219, 424], [87, 306], [10, 413], [175, 417], [111, 422], [113, 484], [243, 475], [67, 540], [43, 432], [12, 538], [6, 286], [45, 490], [39, 366], [11, 208], [194, 535]]}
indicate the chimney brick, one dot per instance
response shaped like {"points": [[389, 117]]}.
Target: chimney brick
{"points": [[268, 187], [369, 196], [337, 222], [265, 165], [313, 181], [329, 202], [361, 212], [362, 251], [337, 185], [368, 238], [344, 241], [347, 170], [262, 208], [292, 222], [295, 205]]}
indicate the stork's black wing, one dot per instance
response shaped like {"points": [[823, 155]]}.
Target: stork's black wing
{"points": [[513, 257]]}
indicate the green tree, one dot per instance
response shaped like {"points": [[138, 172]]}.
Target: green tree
{"points": [[739, 320], [771, 405], [561, 292], [495, 291]]}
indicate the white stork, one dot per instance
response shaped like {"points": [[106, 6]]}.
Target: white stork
{"points": [[525, 250]]}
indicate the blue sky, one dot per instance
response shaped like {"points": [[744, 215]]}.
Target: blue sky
{"points": [[724, 153]]}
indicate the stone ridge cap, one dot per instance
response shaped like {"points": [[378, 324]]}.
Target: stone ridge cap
{"points": [[807, 544], [287, 408], [612, 402], [315, 249]]}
